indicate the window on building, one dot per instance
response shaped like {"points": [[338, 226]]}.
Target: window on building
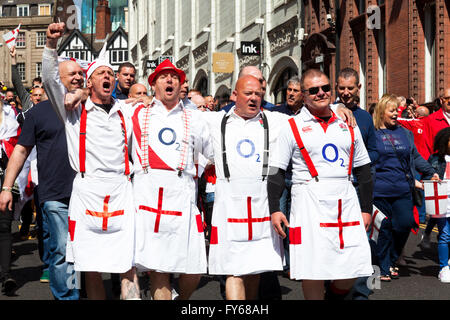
{"points": [[361, 4], [44, 10], [38, 69], [362, 69], [119, 56], [20, 40], [41, 38], [381, 45], [21, 69], [23, 10], [430, 52]]}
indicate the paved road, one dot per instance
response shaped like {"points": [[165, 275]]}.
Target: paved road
{"points": [[418, 281]]}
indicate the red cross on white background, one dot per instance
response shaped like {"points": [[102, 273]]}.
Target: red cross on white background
{"points": [[340, 224], [250, 220], [159, 211], [105, 214]]}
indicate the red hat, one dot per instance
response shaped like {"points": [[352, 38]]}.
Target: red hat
{"points": [[163, 66]]}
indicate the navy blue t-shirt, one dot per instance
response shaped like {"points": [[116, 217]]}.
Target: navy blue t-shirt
{"points": [[390, 178], [42, 128]]}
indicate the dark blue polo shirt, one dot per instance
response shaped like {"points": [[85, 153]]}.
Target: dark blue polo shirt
{"points": [[42, 128]]}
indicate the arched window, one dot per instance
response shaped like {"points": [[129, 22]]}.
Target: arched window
{"points": [[279, 91], [202, 86]]}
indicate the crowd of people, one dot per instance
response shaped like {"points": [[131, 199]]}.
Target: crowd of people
{"points": [[172, 182]]}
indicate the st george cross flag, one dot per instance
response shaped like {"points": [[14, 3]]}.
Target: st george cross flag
{"points": [[377, 219], [435, 198], [10, 37]]}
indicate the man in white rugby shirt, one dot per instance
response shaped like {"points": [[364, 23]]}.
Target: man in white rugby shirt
{"points": [[101, 212], [327, 225]]}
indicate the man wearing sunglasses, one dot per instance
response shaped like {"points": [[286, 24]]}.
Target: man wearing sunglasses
{"points": [[327, 225]]}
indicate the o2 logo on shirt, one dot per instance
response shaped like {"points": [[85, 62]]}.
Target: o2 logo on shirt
{"points": [[246, 149], [168, 136], [331, 154]]}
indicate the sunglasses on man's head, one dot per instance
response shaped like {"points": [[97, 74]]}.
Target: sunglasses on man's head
{"points": [[315, 90]]}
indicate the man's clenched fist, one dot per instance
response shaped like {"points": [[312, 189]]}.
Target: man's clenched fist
{"points": [[54, 32]]}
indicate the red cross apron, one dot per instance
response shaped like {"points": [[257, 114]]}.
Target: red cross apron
{"points": [[242, 238], [101, 216], [327, 236], [169, 229]]}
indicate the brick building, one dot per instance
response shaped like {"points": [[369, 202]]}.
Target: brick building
{"points": [[397, 46]]}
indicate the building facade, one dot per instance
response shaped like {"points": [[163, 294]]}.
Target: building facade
{"points": [[87, 46], [34, 17], [397, 46], [192, 31]]}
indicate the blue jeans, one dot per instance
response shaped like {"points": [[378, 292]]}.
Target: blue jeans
{"points": [[43, 234], [285, 207], [443, 225], [56, 213]]}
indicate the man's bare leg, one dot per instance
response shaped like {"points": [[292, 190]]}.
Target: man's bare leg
{"points": [[187, 284], [129, 285], [160, 287], [94, 286], [313, 289], [342, 287], [251, 283], [235, 288]]}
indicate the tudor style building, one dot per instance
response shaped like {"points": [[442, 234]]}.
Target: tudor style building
{"points": [[87, 46]]}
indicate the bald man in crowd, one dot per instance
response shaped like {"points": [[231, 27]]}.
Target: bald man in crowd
{"points": [[137, 90], [255, 72]]}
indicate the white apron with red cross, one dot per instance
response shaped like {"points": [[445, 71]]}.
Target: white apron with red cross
{"points": [[327, 235], [101, 210], [242, 238], [169, 226]]}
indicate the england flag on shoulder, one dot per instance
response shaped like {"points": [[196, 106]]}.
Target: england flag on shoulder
{"points": [[377, 219], [10, 37], [436, 198]]}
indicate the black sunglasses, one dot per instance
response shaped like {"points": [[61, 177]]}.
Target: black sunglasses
{"points": [[315, 90]]}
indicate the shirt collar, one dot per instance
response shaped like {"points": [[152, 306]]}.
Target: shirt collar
{"points": [[89, 105], [159, 107]]}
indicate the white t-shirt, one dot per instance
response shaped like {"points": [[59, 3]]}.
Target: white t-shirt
{"points": [[329, 149], [244, 141]]}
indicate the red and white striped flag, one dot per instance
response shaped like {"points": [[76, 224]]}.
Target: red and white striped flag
{"points": [[435, 198], [377, 219], [10, 37]]}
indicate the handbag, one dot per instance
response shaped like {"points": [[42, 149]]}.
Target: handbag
{"points": [[416, 193]]}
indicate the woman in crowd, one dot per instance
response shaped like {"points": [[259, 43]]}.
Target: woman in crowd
{"points": [[440, 161], [394, 183]]}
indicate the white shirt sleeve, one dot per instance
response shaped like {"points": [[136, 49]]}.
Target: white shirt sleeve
{"points": [[284, 148], [54, 88]]}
